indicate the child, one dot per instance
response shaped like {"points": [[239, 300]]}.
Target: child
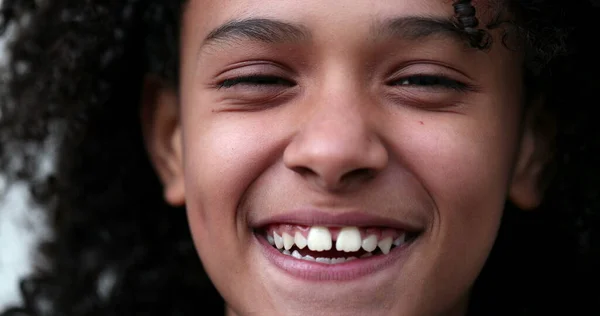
{"points": [[391, 157]]}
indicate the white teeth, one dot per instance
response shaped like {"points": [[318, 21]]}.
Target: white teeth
{"points": [[278, 240], [400, 240], [296, 254], [288, 241], [309, 258], [338, 260], [367, 255], [348, 240], [385, 245], [319, 239], [300, 240], [324, 260], [370, 243], [332, 260]]}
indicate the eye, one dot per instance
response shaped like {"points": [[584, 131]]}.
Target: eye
{"points": [[256, 81], [431, 82]]}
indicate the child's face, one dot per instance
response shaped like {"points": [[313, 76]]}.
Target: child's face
{"points": [[342, 114]]}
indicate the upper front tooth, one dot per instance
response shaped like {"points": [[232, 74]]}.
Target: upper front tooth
{"points": [[278, 240], [370, 243], [300, 240], [288, 241], [348, 240], [385, 245], [319, 238]]}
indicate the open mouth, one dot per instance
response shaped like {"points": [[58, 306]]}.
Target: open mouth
{"points": [[335, 245]]}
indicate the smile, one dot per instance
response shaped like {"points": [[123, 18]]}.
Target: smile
{"points": [[334, 245], [312, 245]]}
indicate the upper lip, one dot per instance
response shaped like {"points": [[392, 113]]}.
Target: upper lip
{"points": [[312, 217]]}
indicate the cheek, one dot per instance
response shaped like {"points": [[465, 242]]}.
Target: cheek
{"points": [[467, 178], [465, 164], [465, 161], [219, 163], [223, 156]]}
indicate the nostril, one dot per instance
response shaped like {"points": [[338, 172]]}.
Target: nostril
{"points": [[333, 181], [350, 176], [304, 171], [361, 174]]}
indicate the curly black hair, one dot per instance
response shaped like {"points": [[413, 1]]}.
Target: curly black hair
{"points": [[74, 83]]}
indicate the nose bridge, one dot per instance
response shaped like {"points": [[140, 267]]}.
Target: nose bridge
{"points": [[337, 142], [337, 118], [340, 109]]}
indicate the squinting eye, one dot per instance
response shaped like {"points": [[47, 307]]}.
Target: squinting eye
{"points": [[255, 80], [431, 81]]}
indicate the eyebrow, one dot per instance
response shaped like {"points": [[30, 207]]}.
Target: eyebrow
{"points": [[263, 30], [419, 28], [274, 31]]}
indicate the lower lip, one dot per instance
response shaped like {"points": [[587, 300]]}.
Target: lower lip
{"points": [[347, 271]]}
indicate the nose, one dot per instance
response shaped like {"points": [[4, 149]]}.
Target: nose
{"points": [[336, 148]]}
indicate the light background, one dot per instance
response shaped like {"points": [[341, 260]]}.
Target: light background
{"points": [[21, 227]]}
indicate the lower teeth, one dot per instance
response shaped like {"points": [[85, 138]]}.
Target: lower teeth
{"points": [[297, 255]]}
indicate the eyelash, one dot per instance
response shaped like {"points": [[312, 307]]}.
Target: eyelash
{"points": [[255, 80], [431, 81], [426, 81]]}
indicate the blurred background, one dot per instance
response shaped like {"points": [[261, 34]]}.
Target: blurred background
{"points": [[21, 225]]}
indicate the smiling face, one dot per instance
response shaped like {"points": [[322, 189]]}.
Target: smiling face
{"points": [[340, 159]]}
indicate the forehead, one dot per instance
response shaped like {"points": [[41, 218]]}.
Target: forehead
{"points": [[204, 16], [320, 15]]}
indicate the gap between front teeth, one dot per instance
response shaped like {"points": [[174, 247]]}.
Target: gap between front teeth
{"points": [[348, 240]]}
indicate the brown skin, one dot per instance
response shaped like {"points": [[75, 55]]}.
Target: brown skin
{"points": [[342, 133]]}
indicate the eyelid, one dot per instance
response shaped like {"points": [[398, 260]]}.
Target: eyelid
{"points": [[254, 80], [444, 82], [243, 73], [429, 67], [254, 67]]}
